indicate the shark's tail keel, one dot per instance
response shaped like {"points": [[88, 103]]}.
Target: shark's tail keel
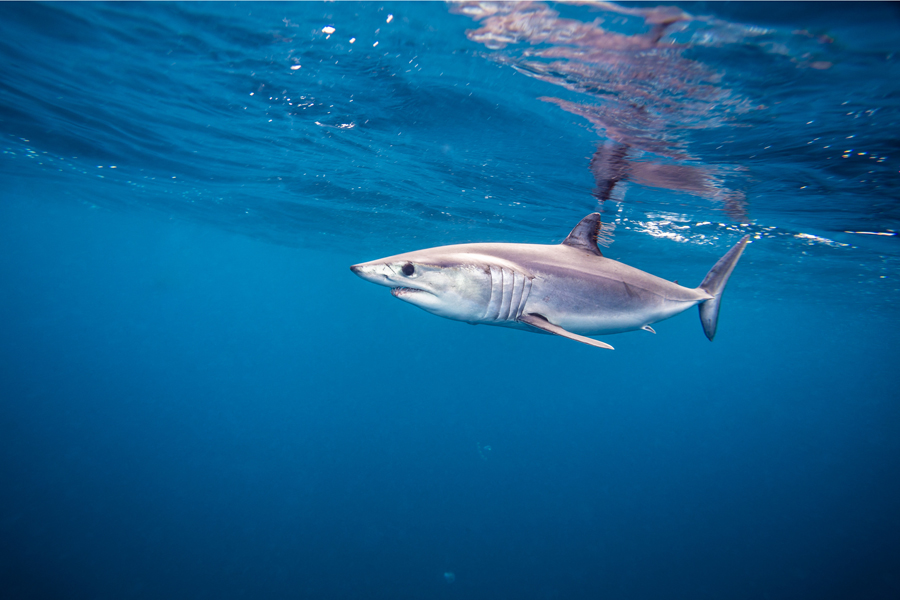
{"points": [[714, 285]]}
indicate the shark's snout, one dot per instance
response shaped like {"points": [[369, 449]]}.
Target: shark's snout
{"points": [[368, 272], [377, 273]]}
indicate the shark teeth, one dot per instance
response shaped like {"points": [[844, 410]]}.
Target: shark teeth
{"points": [[400, 291]]}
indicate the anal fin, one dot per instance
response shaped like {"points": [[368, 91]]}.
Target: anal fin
{"points": [[540, 322], [648, 328]]}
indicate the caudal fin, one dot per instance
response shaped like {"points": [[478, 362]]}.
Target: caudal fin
{"points": [[714, 285]]}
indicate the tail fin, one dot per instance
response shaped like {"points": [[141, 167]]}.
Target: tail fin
{"points": [[714, 285]]}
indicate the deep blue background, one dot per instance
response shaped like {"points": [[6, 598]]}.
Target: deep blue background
{"points": [[191, 413], [193, 405]]}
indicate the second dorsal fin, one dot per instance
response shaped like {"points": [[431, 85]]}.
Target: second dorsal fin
{"points": [[584, 236]]}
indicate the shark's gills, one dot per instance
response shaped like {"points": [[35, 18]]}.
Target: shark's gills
{"points": [[509, 292], [714, 285]]}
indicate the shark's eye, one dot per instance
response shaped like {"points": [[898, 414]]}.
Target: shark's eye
{"points": [[408, 269]]}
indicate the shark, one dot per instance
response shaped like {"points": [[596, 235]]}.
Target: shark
{"points": [[569, 289]]}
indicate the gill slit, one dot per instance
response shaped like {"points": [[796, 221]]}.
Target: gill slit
{"points": [[487, 311]]}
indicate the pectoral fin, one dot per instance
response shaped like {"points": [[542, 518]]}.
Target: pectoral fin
{"points": [[540, 322]]}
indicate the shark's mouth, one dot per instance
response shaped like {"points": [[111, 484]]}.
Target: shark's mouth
{"points": [[399, 292]]}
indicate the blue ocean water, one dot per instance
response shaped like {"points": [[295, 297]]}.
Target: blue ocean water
{"points": [[199, 400]]}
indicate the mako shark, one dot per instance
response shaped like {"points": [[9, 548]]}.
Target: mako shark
{"points": [[570, 290]]}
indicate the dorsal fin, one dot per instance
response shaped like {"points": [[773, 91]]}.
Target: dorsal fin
{"points": [[584, 236]]}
